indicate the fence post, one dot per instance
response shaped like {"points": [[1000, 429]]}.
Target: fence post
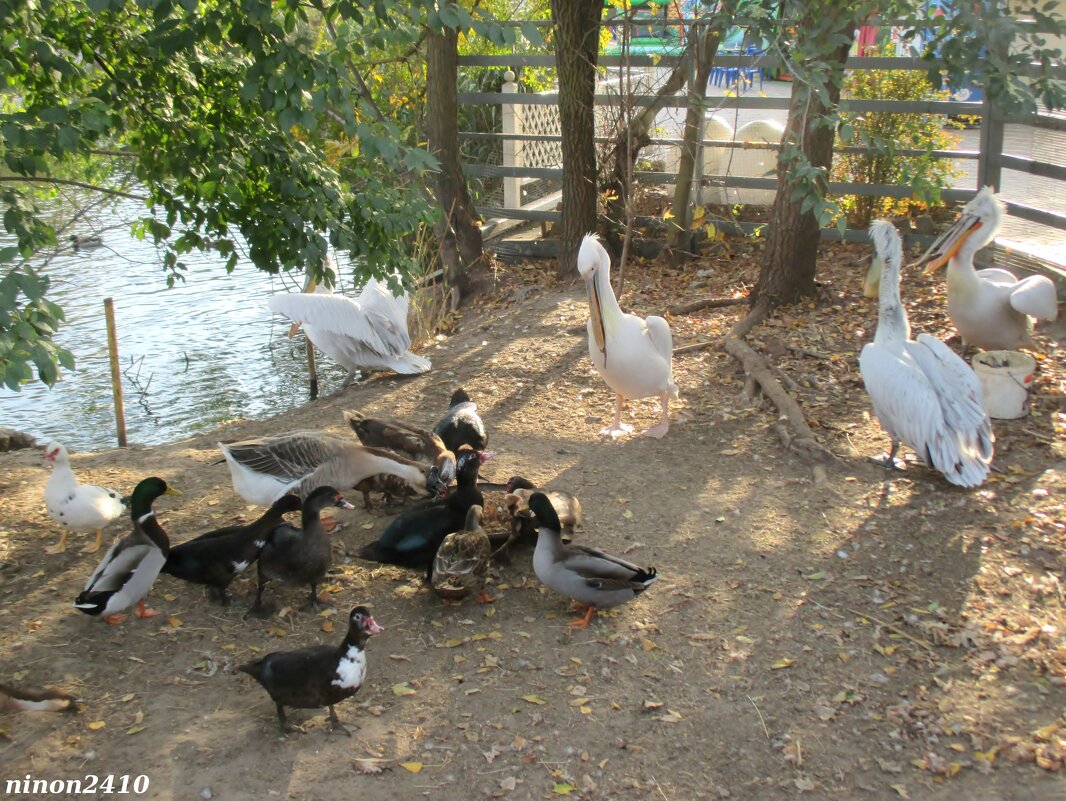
{"points": [[991, 144], [116, 375], [512, 148]]}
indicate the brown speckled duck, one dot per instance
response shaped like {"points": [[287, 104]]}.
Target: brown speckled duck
{"points": [[462, 561]]}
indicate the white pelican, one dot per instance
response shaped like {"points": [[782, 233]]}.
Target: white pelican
{"points": [[76, 506], [922, 392], [634, 356], [991, 308], [367, 333]]}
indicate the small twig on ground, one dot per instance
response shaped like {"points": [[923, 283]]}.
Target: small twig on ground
{"points": [[765, 730], [811, 354], [916, 640], [697, 347]]}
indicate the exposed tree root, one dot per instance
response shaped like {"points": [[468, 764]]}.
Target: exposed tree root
{"points": [[706, 303], [791, 427]]}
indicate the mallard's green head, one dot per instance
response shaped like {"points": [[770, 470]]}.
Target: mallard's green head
{"points": [[145, 493]]}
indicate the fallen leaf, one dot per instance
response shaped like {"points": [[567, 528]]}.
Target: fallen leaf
{"points": [[399, 658], [369, 767], [175, 621], [533, 699], [169, 598], [901, 790], [647, 644], [628, 515], [278, 631], [563, 788], [327, 626], [402, 689], [803, 784], [414, 767], [134, 729], [509, 783], [368, 525], [781, 664], [96, 725], [127, 698]]}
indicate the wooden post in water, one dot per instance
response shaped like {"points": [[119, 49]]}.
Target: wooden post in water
{"points": [[312, 366], [116, 376]]}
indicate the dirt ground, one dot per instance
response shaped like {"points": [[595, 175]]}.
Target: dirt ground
{"points": [[889, 636]]}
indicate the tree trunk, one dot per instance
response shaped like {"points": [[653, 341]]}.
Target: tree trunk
{"points": [[576, 28], [680, 239], [790, 260], [457, 231]]}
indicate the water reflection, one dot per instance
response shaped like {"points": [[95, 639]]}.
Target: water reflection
{"points": [[194, 356]]}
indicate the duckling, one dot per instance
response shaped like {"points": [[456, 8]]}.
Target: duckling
{"points": [[390, 487], [589, 576], [321, 675], [519, 489], [462, 425], [413, 537], [462, 561], [75, 506], [131, 564], [216, 557], [404, 439], [299, 556]]}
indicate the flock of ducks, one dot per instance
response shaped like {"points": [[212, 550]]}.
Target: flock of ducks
{"points": [[923, 394]]}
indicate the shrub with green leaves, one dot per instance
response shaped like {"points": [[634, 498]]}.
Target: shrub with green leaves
{"points": [[888, 133]]}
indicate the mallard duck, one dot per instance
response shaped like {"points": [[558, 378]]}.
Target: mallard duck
{"points": [[85, 241], [462, 561], [131, 564], [299, 555], [586, 575], [317, 676], [991, 308], [921, 391], [413, 537], [367, 333], [405, 439], [519, 490], [75, 506], [36, 700], [264, 469], [633, 355], [216, 557], [461, 424]]}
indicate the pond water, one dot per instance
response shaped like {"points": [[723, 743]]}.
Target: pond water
{"points": [[193, 356]]}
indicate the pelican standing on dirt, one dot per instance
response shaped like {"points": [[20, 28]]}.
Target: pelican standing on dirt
{"points": [[991, 308], [367, 333], [922, 392], [634, 356]]}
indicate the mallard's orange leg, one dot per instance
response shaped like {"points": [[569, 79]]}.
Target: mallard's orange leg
{"points": [[60, 546], [96, 545], [484, 598], [144, 611], [583, 622]]}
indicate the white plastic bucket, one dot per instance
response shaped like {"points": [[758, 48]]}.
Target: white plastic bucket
{"points": [[1006, 377]]}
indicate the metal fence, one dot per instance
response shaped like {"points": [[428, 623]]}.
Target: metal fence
{"points": [[524, 185]]}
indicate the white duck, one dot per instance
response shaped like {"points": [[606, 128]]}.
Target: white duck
{"points": [[75, 506], [367, 333], [922, 392], [991, 308], [634, 356]]}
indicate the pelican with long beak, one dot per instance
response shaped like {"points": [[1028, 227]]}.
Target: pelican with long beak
{"points": [[365, 333], [991, 308], [922, 392], [633, 355]]}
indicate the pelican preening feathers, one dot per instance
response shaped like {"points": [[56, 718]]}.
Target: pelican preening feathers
{"points": [[365, 333], [991, 308], [922, 392], [633, 355]]}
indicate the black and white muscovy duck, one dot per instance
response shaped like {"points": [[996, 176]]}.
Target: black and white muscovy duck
{"points": [[317, 676], [413, 537], [215, 558], [462, 425]]}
